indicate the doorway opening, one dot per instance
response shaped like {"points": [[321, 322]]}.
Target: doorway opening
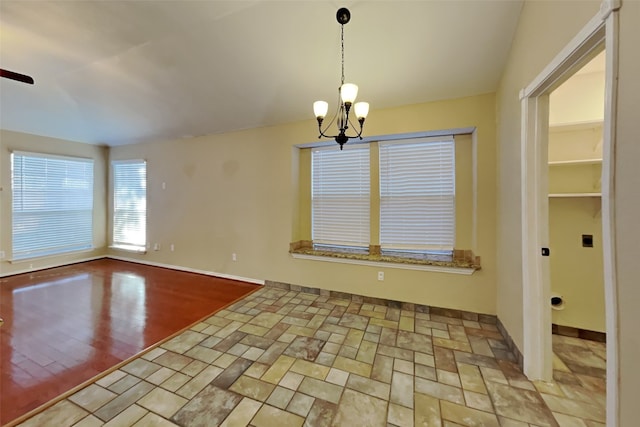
{"points": [[599, 34]]}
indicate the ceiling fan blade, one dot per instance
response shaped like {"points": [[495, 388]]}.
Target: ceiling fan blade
{"points": [[16, 76]]}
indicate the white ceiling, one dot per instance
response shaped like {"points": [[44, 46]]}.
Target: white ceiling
{"points": [[122, 72]]}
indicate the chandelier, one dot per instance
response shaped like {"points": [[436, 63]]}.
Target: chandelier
{"points": [[347, 93]]}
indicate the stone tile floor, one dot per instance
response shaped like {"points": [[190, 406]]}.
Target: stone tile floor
{"points": [[284, 358]]}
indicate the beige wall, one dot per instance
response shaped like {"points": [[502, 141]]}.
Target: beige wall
{"points": [[545, 27], [588, 89], [13, 141], [577, 272], [237, 193]]}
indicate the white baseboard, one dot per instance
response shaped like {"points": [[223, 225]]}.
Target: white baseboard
{"points": [[187, 269], [54, 265]]}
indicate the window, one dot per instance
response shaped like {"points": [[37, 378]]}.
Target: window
{"points": [[130, 204], [52, 204], [340, 206], [417, 195]]}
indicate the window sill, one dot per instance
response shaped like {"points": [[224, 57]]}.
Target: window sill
{"points": [[126, 248], [455, 266]]}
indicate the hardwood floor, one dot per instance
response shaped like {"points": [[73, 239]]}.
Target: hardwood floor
{"points": [[65, 325]]}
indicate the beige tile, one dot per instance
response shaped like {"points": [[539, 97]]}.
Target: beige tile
{"points": [[280, 367], [153, 420], [358, 409], [441, 391], [162, 402], [467, 416], [200, 381], [111, 378], [250, 387], [337, 376], [124, 384], [225, 360], [367, 352], [568, 420], [427, 411], [453, 345], [508, 422], [548, 388], [194, 368], [384, 323], [471, 378], [402, 389], [406, 323], [228, 329], [140, 368], [89, 421], [152, 354], [172, 360], [267, 320], [493, 375], [256, 370], [63, 413], [253, 353], [574, 408], [300, 404], [175, 381], [184, 341], [321, 389], [310, 369], [478, 401], [128, 417], [424, 359], [269, 416], [242, 414], [400, 416], [369, 386], [123, 401], [280, 397], [92, 397], [291, 380], [403, 366], [446, 377], [254, 330], [160, 376], [203, 354], [353, 366], [240, 317], [354, 337]]}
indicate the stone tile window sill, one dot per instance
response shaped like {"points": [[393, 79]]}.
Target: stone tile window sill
{"points": [[462, 262]]}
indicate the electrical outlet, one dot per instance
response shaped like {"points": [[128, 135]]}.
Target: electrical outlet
{"points": [[156, 247], [234, 257], [381, 275], [172, 247], [1, 254]]}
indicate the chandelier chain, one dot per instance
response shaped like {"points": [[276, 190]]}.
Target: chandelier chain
{"points": [[342, 46]]}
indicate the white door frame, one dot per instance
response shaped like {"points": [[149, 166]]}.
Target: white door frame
{"points": [[537, 351]]}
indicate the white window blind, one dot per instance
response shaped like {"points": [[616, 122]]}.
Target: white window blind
{"points": [[340, 196], [52, 204], [417, 195], [130, 204]]}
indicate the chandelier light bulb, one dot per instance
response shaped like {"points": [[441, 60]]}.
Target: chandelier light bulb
{"points": [[362, 109], [348, 93], [320, 109]]}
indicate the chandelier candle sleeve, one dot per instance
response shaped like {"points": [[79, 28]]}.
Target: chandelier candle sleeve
{"points": [[347, 97]]}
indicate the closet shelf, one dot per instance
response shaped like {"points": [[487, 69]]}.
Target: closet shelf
{"points": [[575, 194], [575, 162]]}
